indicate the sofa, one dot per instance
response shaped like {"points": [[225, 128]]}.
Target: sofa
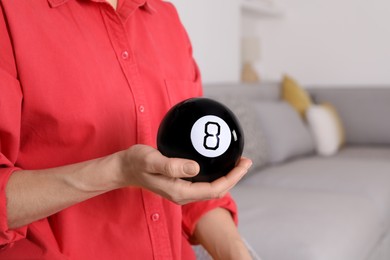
{"points": [[298, 204]]}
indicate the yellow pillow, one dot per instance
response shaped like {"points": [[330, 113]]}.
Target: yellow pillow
{"points": [[337, 119], [295, 95]]}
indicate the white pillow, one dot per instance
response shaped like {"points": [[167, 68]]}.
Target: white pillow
{"points": [[324, 129]]}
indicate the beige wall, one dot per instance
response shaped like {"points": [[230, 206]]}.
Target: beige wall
{"points": [[325, 42], [214, 28], [319, 42]]}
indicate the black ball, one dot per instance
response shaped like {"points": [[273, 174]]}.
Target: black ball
{"points": [[203, 130]]}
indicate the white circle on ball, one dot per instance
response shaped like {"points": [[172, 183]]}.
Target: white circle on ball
{"points": [[211, 136]]}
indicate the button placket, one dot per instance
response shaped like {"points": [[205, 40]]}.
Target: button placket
{"points": [[125, 55], [155, 217]]}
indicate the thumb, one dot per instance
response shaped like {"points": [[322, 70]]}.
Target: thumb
{"points": [[179, 168]]}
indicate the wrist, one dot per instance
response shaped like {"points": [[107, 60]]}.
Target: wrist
{"points": [[96, 176], [218, 234], [236, 249], [118, 167], [229, 248]]}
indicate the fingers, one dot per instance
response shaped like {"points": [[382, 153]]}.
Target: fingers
{"points": [[221, 186], [162, 175], [183, 192], [225, 183]]}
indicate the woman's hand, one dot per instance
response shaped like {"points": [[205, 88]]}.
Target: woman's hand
{"points": [[146, 167], [140, 165]]}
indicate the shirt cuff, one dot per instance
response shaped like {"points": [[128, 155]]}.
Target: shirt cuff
{"points": [[192, 212], [7, 236]]}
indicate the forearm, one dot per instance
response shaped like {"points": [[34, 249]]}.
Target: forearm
{"points": [[36, 194], [33, 195], [218, 234]]}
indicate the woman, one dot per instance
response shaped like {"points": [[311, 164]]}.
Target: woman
{"points": [[84, 85]]}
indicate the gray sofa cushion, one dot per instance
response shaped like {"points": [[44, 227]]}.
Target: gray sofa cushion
{"points": [[286, 134], [288, 224], [347, 172]]}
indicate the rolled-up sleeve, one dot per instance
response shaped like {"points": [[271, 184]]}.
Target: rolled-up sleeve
{"points": [[194, 211], [10, 118], [10, 115]]}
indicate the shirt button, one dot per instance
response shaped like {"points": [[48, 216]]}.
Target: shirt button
{"points": [[125, 55], [155, 217], [141, 109]]}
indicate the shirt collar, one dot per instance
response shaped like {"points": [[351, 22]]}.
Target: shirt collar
{"points": [[141, 3]]}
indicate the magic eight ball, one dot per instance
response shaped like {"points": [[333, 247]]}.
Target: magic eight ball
{"points": [[203, 130]]}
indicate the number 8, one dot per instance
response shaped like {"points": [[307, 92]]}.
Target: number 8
{"points": [[211, 139]]}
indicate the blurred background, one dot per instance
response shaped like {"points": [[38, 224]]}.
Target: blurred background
{"points": [[319, 42], [314, 119]]}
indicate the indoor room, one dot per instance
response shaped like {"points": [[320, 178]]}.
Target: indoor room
{"points": [[309, 82]]}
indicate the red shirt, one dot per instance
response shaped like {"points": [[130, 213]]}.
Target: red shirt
{"points": [[79, 80]]}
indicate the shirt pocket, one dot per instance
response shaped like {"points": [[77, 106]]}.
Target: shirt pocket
{"points": [[179, 90]]}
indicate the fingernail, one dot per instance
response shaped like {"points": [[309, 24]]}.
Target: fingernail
{"points": [[250, 165], [190, 169]]}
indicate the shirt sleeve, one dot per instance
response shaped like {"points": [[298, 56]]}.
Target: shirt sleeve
{"points": [[192, 212], [10, 116], [10, 110]]}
